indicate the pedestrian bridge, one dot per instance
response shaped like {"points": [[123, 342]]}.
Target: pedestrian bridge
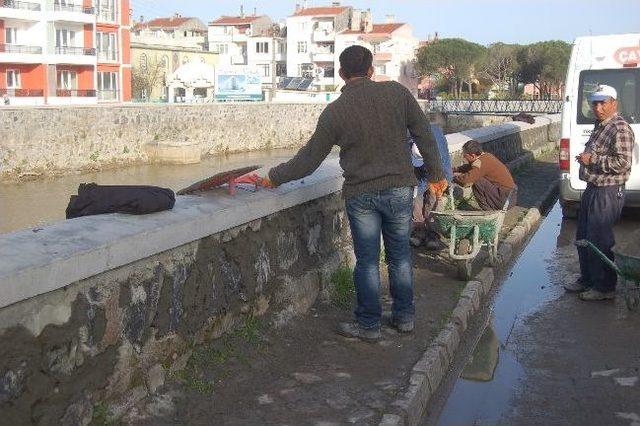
{"points": [[494, 106]]}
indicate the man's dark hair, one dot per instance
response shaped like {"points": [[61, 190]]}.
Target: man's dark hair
{"points": [[355, 61], [472, 147]]}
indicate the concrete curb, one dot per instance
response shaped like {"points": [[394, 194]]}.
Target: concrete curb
{"points": [[428, 372]]}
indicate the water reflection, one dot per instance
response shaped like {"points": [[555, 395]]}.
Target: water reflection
{"points": [[482, 365], [42, 201]]}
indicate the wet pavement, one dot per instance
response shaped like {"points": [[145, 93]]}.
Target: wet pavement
{"points": [[545, 356]]}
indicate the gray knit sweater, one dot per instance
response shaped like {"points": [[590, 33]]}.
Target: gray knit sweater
{"points": [[369, 123]]}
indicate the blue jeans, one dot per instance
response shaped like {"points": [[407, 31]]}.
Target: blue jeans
{"points": [[388, 212]]}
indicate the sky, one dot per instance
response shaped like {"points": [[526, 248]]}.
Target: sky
{"points": [[480, 21]]}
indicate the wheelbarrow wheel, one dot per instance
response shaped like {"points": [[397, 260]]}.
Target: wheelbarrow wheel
{"points": [[464, 269]]}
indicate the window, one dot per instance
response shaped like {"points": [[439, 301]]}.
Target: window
{"points": [[65, 38], [106, 10], [107, 81], [265, 70], [106, 45], [381, 69], [282, 47], [67, 80], [281, 69], [626, 81], [302, 47], [305, 70], [143, 61], [222, 48], [262, 47], [11, 35], [13, 79], [202, 61]]}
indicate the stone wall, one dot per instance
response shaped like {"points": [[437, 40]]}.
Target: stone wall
{"points": [[113, 337], [51, 141]]}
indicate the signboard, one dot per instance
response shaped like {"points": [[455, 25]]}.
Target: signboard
{"points": [[238, 86], [627, 55]]}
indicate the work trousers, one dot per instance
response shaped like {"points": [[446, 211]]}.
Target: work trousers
{"points": [[600, 209]]}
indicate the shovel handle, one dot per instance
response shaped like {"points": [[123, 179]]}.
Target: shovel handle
{"points": [[601, 255]]}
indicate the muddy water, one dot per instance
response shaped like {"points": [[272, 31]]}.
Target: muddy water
{"points": [[39, 202], [491, 376]]}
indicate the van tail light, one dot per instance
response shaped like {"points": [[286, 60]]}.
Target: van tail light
{"points": [[564, 156]]}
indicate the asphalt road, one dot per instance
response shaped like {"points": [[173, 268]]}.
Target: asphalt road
{"points": [[547, 358]]}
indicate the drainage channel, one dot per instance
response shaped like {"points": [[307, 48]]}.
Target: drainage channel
{"points": [[490, 377]]}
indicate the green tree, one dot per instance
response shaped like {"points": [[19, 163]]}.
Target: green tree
{"points": [[453, 60], [544, 64]]}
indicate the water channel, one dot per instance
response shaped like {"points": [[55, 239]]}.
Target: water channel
{"points": [[42, 201], [490, 378]]}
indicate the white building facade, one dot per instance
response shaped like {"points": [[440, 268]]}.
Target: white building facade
{"points": [[311, 43]]}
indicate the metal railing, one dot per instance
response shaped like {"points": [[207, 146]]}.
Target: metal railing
{"points": [[73, 50], [73, 8], [22, 93], [76, 93], [495, 106], [24, 5], [107, 95], [18, 48], [107, 55]]}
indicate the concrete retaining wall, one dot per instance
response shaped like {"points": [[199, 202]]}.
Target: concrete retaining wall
{"points": [[60, 140], [101, 308]]}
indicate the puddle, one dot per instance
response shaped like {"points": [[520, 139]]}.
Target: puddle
{"points": [[490, 378]]}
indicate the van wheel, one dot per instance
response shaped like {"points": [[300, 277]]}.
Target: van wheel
{"points": [[570, 211]]}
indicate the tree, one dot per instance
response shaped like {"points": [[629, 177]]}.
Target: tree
{"points": [[544, 64], [499, 65], [145, 77], [453, 60]]}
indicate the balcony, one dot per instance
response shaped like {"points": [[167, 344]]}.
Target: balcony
{"points": [[324, 35], [107, 95], [106, 15], [107, 55], [22, 5], [75, 93], [18, 48], [73, 50], [322, 56], [73, 13], [22, 93], [73, 8], [22, 10]]}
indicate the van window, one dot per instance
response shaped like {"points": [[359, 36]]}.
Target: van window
{"points": [[625, 81]]}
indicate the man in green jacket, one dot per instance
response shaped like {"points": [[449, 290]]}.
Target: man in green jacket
{"points": [[369, 123]]}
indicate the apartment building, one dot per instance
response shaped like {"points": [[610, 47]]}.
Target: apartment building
{"points": [[70, 52], [311, 43], [175, 31], [392, 44], [251, 42]]}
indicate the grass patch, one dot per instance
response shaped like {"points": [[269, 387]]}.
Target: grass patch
{"points": [[344, 291], [102, 415]]}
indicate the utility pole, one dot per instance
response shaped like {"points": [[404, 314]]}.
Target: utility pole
{"points": [[275, 32]]}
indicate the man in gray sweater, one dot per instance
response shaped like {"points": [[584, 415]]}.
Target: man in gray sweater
{"points": [[369, 123]]}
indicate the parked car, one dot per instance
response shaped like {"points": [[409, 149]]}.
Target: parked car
{"points": [[613, 60]]}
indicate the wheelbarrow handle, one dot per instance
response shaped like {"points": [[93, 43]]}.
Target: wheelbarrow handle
{"points": [[601, 255]]}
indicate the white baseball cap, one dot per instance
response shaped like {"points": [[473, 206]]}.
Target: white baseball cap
{"points": [[602, 93]]}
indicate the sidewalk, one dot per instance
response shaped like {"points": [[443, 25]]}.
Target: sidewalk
{"points": [[304, 373]]}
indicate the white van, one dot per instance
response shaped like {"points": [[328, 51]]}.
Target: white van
{"points": [[613, 60]]}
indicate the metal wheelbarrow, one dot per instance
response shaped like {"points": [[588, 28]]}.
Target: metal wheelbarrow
{"points": [[626, 266], [467, 231]]}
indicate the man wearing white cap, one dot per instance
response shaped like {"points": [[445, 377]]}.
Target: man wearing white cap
{"points": [[605, 165]]}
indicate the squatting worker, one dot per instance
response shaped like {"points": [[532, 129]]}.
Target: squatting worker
{"points": [[605, 165], [369, 123], [488, 177]]}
